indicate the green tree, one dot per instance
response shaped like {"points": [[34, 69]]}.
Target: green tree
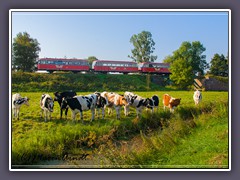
{"points": [[193, 54], [219, 65], [182, 75], [143, 47], [25, 52], [91, 59]]}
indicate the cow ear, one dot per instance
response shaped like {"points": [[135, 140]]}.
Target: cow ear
{"points": [[179, 98]]}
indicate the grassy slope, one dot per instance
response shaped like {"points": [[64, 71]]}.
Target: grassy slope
{"points": [[35, 82], [201, 142]]}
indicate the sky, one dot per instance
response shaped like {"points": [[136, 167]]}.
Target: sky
{"points": [[106, 35]]}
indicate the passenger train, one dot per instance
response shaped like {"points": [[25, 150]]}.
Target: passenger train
{"points": [[101, 66]]}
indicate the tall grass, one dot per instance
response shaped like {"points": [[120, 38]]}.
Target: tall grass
{"points": [[197, 139]]}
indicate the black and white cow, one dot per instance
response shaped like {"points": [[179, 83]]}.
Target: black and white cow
{"points": [[46, 104], [59, 97], [153, 102], [17, 102], [197, 97], [101, 104], [80, 104], [136, 101]]}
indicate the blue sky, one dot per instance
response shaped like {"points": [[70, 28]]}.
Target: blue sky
{"points": [[106, 35]]}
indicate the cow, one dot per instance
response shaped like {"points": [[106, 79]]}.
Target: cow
{"points": [[197, 97], [170, 102], [80, 104], [153, 102], [17, 102], [101, 104], [116, 101], [58, 96], [135, 101], [46, 104]]}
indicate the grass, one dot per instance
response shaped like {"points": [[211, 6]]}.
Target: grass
{"points": [[192, 137], [37, 82]]}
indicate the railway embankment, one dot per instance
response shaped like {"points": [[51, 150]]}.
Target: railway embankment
{"points": [[45, 82]]}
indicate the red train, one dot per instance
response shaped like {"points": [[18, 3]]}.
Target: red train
{"points": [[101, 66]]}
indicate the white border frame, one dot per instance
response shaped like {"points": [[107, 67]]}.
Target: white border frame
{"points": [[117, 10]]}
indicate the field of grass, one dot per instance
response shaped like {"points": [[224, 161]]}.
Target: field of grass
{"points": [[192, 137]]}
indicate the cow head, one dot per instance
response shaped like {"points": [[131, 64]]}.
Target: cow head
{"points": [[26, 101], [123, 100], [57, 96], [174, 102], [131, 99], [148, 103], [21, 101], [49, 104]]}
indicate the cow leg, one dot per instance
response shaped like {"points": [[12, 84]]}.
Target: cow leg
{"points": [[126, 110], [14, 112], [118, 112], [81, 116], [66, 111], [73, 116], [61, 113], [50, 115], [103, 113], [139, 111], [109, 111], [92, 110], [45, 115], [98, 112], [17, 113]]}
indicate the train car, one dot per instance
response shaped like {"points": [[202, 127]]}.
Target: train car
{"points": [[106, 66], [60, 64], [154, 68]]}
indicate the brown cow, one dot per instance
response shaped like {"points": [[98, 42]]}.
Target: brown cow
{"points": [[170, 102], [114, 100]]}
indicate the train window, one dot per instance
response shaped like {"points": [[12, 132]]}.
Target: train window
{"points": [[145, 65], [42, 62], [58, 62]]}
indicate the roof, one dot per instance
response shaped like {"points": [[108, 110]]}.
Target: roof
{"points": [[154, 63], [62, 59], [119, 61]]}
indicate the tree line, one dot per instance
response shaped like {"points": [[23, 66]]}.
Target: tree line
{"points": [[187, 62]]}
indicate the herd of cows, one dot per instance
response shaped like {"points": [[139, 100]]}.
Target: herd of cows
{"points": [[97, 102]]}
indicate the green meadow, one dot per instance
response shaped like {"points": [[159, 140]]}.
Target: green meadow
{"points": [[191, 137]]}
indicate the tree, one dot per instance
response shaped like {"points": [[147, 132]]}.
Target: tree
{"points": [[25, 52], [193, 54], [182, 75], [91, 59], [219, 65], [143, 47]]}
